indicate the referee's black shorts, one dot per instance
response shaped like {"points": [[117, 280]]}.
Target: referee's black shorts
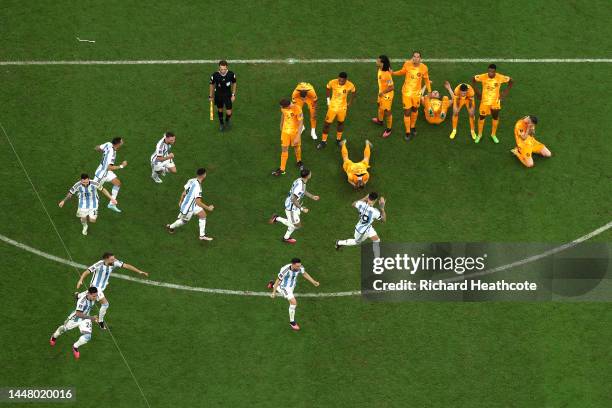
{"points": [[222, 100]]}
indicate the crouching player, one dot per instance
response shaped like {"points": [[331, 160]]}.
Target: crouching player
{"points": [[526, 143], [79, 318], [463, 95], [357, 173]]}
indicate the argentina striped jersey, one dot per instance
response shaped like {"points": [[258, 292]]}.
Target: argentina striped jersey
{"points": [[193, 191], [288, 277], [88, 195], [298, 189], [108, 157], [367, 215], [101, 273], [83, 305], [161, 149]]}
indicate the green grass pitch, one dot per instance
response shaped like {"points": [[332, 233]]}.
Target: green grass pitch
{"points": [[194, 349]]}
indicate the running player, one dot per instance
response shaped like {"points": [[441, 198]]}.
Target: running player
{"points": [[304, 93], [357, 173], [385, 94], [285, 285], [294, 207], [434, 108], [291, 126], [162, 160], [415, 71], [340, 95], [79, 318], [87, 209], [106, 169], [101, 271], [463, 95], [367, 215], [526, 143], [490, 99], [191, 203]]}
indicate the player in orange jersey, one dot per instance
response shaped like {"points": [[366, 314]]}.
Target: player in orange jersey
{"points": [[490, 98], [526, 143], [357, 173], [291, 126], [304, 93], [463, 95], [385, 94], [434, 107], [340, 95], [415, 71]]}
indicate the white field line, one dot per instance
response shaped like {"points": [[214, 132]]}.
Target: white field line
{"points": [[320, 295], [312, 61]]}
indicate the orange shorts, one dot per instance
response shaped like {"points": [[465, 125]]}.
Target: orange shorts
{"points": [[308, 101], [358, 180], [332, 114], [385, 101], [435, 120], [411, 101], [529, 146], [485, 109], [290, 139], [459, 103]]}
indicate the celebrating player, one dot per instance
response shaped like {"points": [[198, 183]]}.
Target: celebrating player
{"points": [[415, 71], [463, 95], [106, 170], [191, 203], [357, 173], [162, 160], [490, 99], [434, 108], [294, 207], [385, 94], [79, 318], [285, 285], [222, 89], [291, 126], [87, 209], [304, 93], [526, 143], [101, 274], [367, 215], [340, 95]]}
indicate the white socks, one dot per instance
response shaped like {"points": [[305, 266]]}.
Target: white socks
{"points": [[115, 192], [376, 248], [60, 330], [103, 309], [202, 224], [177, 223], [290, 226], [347, 242], [289, 232], [292, 313], [82, 340]]}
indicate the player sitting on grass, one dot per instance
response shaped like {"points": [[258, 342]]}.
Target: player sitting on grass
{"points": [[434, 108], [526, 143], [357, 173]]}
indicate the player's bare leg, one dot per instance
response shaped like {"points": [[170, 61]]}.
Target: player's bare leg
{"points": [[114, 193], [202, 226], [527, 161], [544, 152], [494, 123]]}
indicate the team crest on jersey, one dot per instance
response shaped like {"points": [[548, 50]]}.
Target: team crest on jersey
{"points": [[344, 91], [418, 74]]}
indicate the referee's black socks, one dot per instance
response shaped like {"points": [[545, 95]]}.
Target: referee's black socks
{"points": [[228, 116], [220, 113]]}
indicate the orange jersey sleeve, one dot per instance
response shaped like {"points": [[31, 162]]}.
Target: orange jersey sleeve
{"points": [[491, 86], [414, 78], [469, 94], [339, 93], [384, 80]]}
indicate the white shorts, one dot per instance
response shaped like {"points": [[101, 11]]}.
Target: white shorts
{"points": [[362, 236], [92, 213], [286, 292], [293, 216], [186, 217], [84, 325], [110, 176], [162, 165]]}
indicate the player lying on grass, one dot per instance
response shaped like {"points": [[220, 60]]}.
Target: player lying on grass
{"points": [[291, 126], [304, 93], [340, 95], [463, 95], [79, 318], [285, 285], [526, 143], [101, 271], [294, 207], [87, 191], [490, 98], [191, 203], [364, 229], [357, 173], [106, 169], [385, 94], [162, 160], [434, 108]]}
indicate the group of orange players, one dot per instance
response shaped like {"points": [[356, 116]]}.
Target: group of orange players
{"points": [[340, 93]]}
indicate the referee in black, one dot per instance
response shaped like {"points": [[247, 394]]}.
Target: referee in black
{"points": [[223, 90]]}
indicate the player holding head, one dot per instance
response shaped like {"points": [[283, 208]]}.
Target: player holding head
{"points": [[79, 318], [106, 169], [434, 108], [87, 191], [367, 215], [490, 98], [463, 95], [526, 143], [294, 207], [291, 126], [385, 94], [285, 284], [222, 88], [304, 93], [191, 203], [357, 173], [162, 160], [415, 71], [340, 95], [101, 271]]}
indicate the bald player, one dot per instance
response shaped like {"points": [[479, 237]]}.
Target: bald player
{"points": [[526, 143], [490, 98], [463, 95], [304, 93], [357, 173]]}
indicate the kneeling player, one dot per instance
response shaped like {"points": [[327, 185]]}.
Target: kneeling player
{"points": [[434, 108], [463, 95], [357, 173], [364, 229], [79, 318], [526, 143], [285, 284]]}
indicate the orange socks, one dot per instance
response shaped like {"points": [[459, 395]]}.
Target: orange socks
{"points": [[480, 126], [407, 123], [284, 157], [471, 124], [456, 119], [380, 115], [494, 124], [324, 137], [338, 135], [298, 152], [413, 118], [389, 121]]}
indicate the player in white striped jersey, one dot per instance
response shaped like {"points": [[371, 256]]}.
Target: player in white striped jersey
{"points": [[285, 284], [162, 160], [294, 207], [101, 271], [367, 215], [191, 203], [106, 169], [87, 191], [79, 318]]}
